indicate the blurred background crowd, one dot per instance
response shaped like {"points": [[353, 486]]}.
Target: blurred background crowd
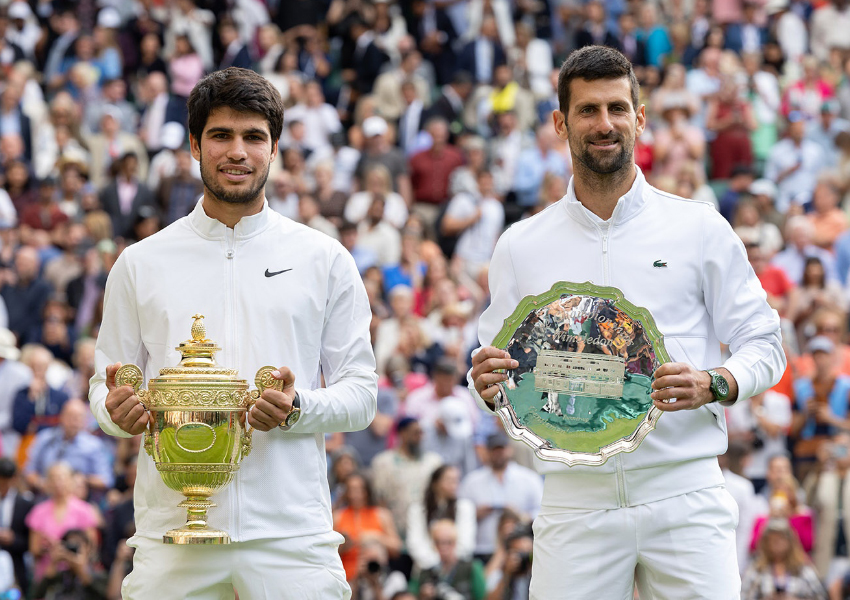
{"points": [[415, 132]]}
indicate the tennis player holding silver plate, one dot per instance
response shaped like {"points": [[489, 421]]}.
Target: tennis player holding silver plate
{"points": [[659, 515], [585, 359]]}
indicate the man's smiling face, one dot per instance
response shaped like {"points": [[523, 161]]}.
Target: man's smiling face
{"points": [[235, 152], [601, 125]]}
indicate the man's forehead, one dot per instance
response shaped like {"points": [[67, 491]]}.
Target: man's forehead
{"points": [[600, 90]]}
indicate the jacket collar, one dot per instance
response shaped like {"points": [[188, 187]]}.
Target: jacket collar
{"points": [[627, 207], [215, 229]]}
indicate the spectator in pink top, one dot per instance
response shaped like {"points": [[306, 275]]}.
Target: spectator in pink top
{"points": [[62, 511], [186, 67]]}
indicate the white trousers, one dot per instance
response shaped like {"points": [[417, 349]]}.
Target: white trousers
{"points": [[301, 568], [678, 548]]}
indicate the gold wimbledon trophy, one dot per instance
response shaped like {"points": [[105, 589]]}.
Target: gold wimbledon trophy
{"points": [[197, 433]]}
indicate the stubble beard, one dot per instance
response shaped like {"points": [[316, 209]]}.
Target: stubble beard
{"points": [[605, 165], [222, 194]]}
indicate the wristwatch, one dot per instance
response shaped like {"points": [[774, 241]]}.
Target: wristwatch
{"points": [[294, 414], [719, 386]]}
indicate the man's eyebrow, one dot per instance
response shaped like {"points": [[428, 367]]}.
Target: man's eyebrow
{"points": [[249, 131]]}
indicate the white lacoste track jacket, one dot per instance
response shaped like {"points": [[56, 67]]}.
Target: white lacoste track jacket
{"points": [[273, 292], [680, 259]]}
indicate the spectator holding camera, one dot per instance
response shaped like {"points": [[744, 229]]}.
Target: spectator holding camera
{"points": [[71, 572], [513, 581], [781, 569], [452, 578], [374, 580]]}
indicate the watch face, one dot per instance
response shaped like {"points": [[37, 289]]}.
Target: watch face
{"points": [[722, 386], [292, 417]]}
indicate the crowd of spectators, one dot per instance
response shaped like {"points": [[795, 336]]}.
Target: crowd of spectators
{"points": [[415, 132]]}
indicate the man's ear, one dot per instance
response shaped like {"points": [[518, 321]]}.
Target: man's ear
{"points": [[195, 147]]}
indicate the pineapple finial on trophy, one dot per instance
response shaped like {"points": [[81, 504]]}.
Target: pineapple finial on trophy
{"points": [[199, 330]]}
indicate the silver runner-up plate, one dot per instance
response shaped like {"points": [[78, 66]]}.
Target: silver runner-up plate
{"points": [[586, 358]]}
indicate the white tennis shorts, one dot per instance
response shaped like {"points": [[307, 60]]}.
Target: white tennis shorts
{"points": [[681, 547], [300, 568]]}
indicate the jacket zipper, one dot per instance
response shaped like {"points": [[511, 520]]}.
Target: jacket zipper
{"points": [[605, 230], [229, 254]]}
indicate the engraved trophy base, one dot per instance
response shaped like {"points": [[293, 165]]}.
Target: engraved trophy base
{"points": [[196, 530]]}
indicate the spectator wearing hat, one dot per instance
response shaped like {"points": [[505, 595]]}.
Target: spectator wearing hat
{"points": [[14, 531], [125, 195], [821, 402], [825, 128], [378, 150], [400, 475], [677, 142], [763, 192], [788, 28], [794, 164], [500, 484]]}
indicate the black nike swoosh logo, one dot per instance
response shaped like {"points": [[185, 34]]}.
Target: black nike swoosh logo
{"points": [[270, 274]]}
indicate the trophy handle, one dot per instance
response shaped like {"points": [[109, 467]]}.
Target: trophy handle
{"points": [[264, 379], [131, 375]]}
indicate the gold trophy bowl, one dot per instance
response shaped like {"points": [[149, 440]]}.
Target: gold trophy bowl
{"points": [[197, 433]]}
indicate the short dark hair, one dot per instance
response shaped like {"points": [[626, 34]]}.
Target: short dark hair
{"points": [[591, 63], [242, 90]]}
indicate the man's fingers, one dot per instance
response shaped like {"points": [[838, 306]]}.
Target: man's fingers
{"points": [[117, 397], [122, 410], [680, 404], [111, 370], [268, 413], [486, 386], [141, 424], [668, 381], [262, 420]]}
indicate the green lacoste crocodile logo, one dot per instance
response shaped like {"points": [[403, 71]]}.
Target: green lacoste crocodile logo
{"points": [[658, 264]]}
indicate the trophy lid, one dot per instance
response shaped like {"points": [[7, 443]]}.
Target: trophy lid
{"points": [[198, 362]]}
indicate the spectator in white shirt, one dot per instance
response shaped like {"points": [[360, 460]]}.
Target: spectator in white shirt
{"points": [[499, 485]]}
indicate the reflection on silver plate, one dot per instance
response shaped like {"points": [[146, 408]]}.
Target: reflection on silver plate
{"points": [[586, 359]]}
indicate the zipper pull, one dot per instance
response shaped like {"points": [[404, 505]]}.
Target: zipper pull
{"points": [[605, 243], [230, 253]]}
